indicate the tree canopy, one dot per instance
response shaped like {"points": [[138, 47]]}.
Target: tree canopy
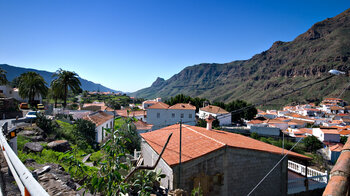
{"points": [[32, 84], [66, 80], [3, 79]]}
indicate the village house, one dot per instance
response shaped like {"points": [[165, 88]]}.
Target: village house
{"points": [[148, 103], [161, 114], [333, 101], [138, 114], [222, 115], [326, 134], [142, 127], [102, 120], [334, 152], [9, 92], [221, 163]]}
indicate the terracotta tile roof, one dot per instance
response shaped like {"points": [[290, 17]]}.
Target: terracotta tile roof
{"points": [[140, 125], [124, 113], [98, 118], [182, 106], [159, 105], [336, 108], [330, 131], [198, 141], [150, 101], [306, 130], [336, 148], [347, 107], [284, 119], [344, 132], [274, 121], [255, 122], [214, 109]]}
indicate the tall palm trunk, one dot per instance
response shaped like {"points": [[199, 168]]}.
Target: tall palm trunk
{"points": [[65, 96]]}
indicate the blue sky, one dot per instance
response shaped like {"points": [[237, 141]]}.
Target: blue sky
{"points": [[126, 45]]}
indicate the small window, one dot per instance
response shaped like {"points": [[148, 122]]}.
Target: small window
{"points": [[190, 116], [158, 115], [182, 115], [173, 115]]}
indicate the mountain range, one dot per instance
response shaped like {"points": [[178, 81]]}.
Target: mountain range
{"points": [[13, 72], [283, 67]]}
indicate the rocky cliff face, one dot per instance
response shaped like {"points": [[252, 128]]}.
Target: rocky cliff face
{"points": [[285, 66]]}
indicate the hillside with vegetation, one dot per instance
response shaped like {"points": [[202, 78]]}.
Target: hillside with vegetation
{"points": [[284, 67]]}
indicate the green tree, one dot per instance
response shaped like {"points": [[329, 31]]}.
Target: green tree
{"points": [[113, 103], [85, 132], [128, 130], [312, 143], [56, 91], [343, 139], [181, 98], [67, 80], [32, 84], [3, 79], [15, 82]]}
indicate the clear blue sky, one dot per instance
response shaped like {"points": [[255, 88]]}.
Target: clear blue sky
{"points": [[126, 45]]}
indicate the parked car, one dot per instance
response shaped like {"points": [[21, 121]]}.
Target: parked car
{"points": [[40, 106], [24, 106], [31, 115]]}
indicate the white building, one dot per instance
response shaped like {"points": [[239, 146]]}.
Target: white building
{"points": [[326, 135], [101, 120], [161, 114], [8, 92], [222, 115], [149, 103]]}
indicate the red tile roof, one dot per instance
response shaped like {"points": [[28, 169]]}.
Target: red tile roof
{"points": [[140, 125], [337, 147], [330, 131], [98, 118], [336, 108], [306, 130], [198, 141], [214, 109], [124, 113], [182, 106], [159, 105]]}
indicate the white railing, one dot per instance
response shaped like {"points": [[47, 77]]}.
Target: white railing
{"points": [[300, 169], [137, 154], [24, 178]]}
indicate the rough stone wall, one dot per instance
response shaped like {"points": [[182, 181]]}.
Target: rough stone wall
{"points": [[233, 171]]}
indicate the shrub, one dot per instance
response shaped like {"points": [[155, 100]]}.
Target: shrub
{"points": [[312, 143]]}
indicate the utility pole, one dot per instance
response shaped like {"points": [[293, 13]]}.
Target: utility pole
{"points": [[282, 143], [179, 180]]}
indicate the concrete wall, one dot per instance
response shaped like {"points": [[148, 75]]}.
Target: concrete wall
{"points": [[150, 157], [265, 130], [167, 118], [232, 171]]}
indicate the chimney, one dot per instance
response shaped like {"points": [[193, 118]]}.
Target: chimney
{"points": [[209, 120]]}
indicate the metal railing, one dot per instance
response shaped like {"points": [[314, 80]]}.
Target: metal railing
{"points": [[23, 177], [300, 169]]}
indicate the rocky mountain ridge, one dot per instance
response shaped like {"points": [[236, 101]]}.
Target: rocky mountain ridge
{"points": [[286, 65]]}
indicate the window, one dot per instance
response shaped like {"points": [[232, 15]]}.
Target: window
{"points": [[158, 115], [182, 115], [173, 115], [189, 115]]}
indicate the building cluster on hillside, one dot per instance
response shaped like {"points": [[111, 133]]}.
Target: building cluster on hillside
{"points": [[328, 122]]}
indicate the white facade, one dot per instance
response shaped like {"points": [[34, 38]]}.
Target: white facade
{"points": [[160, 118], [324, 136], [224, 119], [14, 93], [101, 134]]}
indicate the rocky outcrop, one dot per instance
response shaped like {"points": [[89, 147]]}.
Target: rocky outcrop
{"points": [[59, 145], [33, 147]]}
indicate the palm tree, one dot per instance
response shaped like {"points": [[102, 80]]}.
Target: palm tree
{"points": [[32, 84], [56, 91], [3, 79], [67, 79]]}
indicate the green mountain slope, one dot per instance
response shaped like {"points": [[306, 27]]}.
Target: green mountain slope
{"points": [[283, 67], [13, 72]]}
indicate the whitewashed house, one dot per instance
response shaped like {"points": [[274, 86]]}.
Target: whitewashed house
{"points": [[8, 92], [149, 103], [326, 135], [102, 120], [222, 115], [161, 114]]}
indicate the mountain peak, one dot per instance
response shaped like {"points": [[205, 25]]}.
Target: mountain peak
{"points": [[159, 82]]}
